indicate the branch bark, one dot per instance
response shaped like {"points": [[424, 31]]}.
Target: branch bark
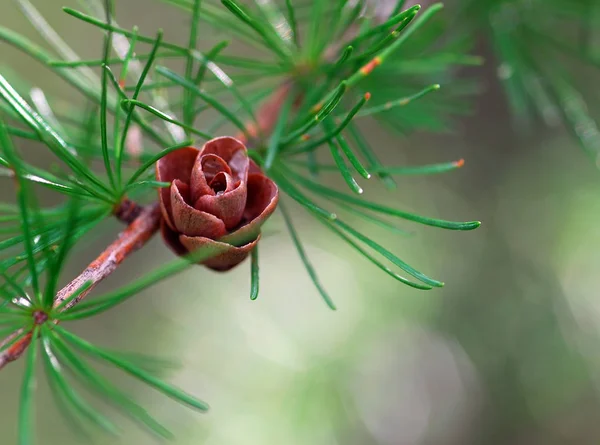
{"points": [[135, 236]]}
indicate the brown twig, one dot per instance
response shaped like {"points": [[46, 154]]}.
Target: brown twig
{"points": [[137, 233], [267, 116], [128, 211], [143, 222]]}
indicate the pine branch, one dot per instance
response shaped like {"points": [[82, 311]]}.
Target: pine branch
{"points": [[134, 237], [143, 224], [351, 52]]}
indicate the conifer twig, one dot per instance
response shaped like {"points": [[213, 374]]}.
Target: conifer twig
{"points": [[143, 223], [135, 236]]}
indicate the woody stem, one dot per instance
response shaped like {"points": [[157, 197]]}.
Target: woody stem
{"points": [[134, 237], [143, 223]]}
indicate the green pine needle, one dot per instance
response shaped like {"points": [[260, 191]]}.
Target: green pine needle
{"points": [[343, 168], [188, 104], [302, 253], [339, 196], [216, 104], [153, 159], [56, 375], [134, 371], [271, 40], [105, 388], [24, 200], [130, 103], [292, 19], [373, 162], [398, 102], [26, 416], [254, 274], [275, 141]]}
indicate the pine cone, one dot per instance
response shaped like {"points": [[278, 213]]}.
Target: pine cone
{"points": [[218, 198]]}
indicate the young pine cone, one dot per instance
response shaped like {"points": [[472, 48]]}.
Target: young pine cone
{"points": [[218, 199]]}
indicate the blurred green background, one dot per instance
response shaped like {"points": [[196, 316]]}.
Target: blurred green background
{"points": [[506, 353]]}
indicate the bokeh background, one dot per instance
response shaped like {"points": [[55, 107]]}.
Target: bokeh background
{"points": [[506, 353]]}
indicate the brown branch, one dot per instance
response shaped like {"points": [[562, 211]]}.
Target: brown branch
{"points": [[128, 211], [137, 233], [266, 116], [131, 239], [16, 350], [143, 222]]}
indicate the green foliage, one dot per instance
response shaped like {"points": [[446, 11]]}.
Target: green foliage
{"points": [[540, 71], [326, 64]]}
